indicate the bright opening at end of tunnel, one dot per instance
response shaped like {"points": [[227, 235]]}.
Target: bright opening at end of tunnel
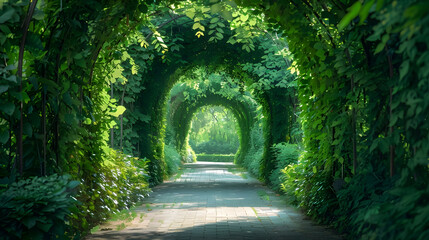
{"points": [[213, 134]]}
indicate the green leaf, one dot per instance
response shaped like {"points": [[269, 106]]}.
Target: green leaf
{"points": [[2, 38], [7, 107], [347, 179], [364, 12], [190, 13], [7, 15], [12, 79], [252, 22], [5, 29], [44, 226], [119, 111], [215, 8], [38, 14], [214, 20], [3, 88], [353, 12], [379, 5], [73, 184], [244, 17], [29, 221], [314, 169], [403, 69], [227, 15], [196, 25], [4, 136], [28, 129], [379, 48]]}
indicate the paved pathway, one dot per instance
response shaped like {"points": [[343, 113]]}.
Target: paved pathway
{"points": [[212, 201]]}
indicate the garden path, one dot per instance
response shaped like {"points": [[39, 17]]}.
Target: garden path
{"points": [[217, 201]]}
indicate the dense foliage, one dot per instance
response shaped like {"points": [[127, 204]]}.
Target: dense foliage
{"points": [[120, 182], [188, 97], [286, 154], [213, 131], [215, 157], [345, 80], [172, 159], [37, 208], [362, 84]]}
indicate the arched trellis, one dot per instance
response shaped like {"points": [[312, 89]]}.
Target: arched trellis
{"points": [[242, 110], [213, 56]]}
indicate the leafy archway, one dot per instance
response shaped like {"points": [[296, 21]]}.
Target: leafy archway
{"points": [[183, 113], [161, 73], [213, 131]]}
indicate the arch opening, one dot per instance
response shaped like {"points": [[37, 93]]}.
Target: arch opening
{"points": [[213, 131], [187, 98]]}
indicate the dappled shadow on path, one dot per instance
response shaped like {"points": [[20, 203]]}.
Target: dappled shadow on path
{"points": [[213, 201], [231, 230]]}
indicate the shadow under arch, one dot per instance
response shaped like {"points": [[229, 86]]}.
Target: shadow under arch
{"points": [[243, 111]]}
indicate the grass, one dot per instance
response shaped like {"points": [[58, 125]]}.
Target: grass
{"points": [[148, 207], [120, 227], [263, 195], [256, 213], [124, 215], [238, 171], [244, 175], [95, 229], [118, 221], [178, 174]]}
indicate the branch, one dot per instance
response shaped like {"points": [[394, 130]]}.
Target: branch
{"points": [[25, 26]]}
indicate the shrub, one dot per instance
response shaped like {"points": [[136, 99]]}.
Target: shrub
{"points": [[293, 182], [120, 183], [285, 154], [37, 208], [374, 208], [215, 157], [215, 147], [172, 159], [307, 187], [252, 160]]}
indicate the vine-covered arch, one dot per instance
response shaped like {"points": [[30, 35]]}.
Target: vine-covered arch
{"points": [[214, 57], [243, 111]]}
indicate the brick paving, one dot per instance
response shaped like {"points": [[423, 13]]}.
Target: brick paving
{"points": [[213, 201]]}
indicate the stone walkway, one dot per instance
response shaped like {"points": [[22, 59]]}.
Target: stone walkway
{"points": [[216, 201]]}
